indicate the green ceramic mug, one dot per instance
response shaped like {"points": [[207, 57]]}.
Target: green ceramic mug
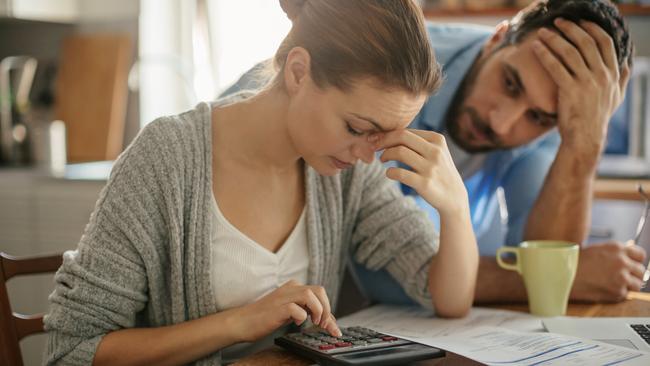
{"points": [[548, 268]]}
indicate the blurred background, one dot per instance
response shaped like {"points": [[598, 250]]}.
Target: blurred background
{"points": [[80, 78]]}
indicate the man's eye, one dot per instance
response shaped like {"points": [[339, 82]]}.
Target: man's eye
{"points": [[537, 119], [511, 87], [352, 131]]}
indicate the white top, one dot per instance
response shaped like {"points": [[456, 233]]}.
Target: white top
{"points": [[243, 270]]}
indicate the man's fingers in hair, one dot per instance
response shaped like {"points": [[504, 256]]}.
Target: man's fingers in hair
{"points": [[570, 56], [585, 43], [553, 66], [605, 44]]}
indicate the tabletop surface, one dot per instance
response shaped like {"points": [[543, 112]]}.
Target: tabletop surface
{"points": [[620, 189], [636, 305]]}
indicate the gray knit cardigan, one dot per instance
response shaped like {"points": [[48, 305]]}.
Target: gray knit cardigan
{"points": [[143, 260]]}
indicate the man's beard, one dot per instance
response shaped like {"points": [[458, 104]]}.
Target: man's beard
{"points": [[457, 109]]}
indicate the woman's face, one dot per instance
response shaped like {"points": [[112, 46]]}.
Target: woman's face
{"points": [[330, 128]]}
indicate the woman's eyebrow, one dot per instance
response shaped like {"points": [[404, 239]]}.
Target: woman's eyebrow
{"points": [[368, 119]]}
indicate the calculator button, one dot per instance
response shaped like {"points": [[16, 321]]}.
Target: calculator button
{"points": [[342, 344], [389, 338], [325, 347], [375, 340]]}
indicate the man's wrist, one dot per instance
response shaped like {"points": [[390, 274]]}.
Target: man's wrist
{"points": [[582, 160]]}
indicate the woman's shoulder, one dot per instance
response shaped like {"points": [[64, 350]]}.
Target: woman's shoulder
{"points": [[180, 128], [168, 143]]}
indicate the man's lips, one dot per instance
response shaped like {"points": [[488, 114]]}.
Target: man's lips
{"points": [[478, 135], [340, 164]]}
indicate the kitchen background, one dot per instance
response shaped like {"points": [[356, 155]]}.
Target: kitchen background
{"points": [[79, 78]]}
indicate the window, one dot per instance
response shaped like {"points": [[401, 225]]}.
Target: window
{"points": [[191, 50]]}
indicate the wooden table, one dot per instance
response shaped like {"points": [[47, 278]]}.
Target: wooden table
{"points": [[637, 304], [620, 189]]}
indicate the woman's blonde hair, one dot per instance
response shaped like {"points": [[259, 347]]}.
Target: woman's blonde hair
{"points": [[351, 39]]}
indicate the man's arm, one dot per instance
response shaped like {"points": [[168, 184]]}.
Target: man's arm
{"points": [[563, 208], [590, 88], [496, 285]]}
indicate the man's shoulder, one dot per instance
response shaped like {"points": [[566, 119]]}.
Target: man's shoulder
{"points": [[458, 30], [448, 39]]}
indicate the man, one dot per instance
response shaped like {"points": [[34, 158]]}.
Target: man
{"points": [[525, 111]]}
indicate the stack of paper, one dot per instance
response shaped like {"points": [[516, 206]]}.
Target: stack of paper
{"points": [[493, 337]]}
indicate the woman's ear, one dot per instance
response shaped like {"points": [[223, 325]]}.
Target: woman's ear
{"points": [[297, 69], [497, 37]]}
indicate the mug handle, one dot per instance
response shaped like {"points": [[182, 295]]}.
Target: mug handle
{"points": [[508, 266]]}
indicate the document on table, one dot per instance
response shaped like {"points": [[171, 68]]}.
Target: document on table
{"points": [[493, 337]]}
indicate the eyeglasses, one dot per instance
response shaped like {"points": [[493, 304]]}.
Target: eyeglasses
{"points": [[640, 234], [644, 217]]}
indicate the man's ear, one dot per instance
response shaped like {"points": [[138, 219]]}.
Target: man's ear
{"points": [[497, 37], [297, 69]]}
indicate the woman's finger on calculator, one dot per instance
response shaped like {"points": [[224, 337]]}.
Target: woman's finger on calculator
{"points": [[321, 294], [305, 297], [330, 325], [327, 322]]}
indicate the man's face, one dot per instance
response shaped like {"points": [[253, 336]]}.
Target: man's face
{"points": [[508, 99]]}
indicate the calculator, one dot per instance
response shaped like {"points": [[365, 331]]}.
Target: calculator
{"points": [[357, 346]]}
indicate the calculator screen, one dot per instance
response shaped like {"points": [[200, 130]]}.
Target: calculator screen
{"points": [[381, 352]]}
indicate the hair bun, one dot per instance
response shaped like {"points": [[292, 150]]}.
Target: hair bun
{"points": [[292, 7]]}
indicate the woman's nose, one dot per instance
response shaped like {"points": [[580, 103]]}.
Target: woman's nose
{"points": [[364, 151]]}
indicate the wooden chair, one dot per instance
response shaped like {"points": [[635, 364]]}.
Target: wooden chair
{"points": [[14, 326]]}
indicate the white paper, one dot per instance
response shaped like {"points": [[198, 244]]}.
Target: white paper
{"points": [[493, 337], [418, 322]]}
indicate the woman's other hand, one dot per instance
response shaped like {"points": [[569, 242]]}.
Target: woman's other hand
{"points": [[433, 176]]}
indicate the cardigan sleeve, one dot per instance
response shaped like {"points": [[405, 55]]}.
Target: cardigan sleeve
{"points": [[392, 233], [103, 284]]}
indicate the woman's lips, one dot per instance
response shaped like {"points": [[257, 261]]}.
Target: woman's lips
{"points": [[340, 164]]}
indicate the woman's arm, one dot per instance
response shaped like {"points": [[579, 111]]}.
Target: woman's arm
{"points": [[172, 345], [452, 272], [186, 342], [452, 275]]}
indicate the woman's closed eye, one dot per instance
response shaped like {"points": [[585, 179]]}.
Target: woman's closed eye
{"points": [[352, 130]]}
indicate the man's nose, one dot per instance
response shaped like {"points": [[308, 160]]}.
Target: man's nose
{"points": [[505, 115]]}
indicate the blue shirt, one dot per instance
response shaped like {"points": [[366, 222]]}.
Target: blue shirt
{"points": [[520, 172]]}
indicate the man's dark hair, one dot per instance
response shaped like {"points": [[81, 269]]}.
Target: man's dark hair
{"points": [[602, 12]]}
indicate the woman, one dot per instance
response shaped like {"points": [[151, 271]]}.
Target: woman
{"points": [[221, 225]]}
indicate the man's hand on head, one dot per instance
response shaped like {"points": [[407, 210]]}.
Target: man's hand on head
{"points": [[608, 271], [584, 65]]}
